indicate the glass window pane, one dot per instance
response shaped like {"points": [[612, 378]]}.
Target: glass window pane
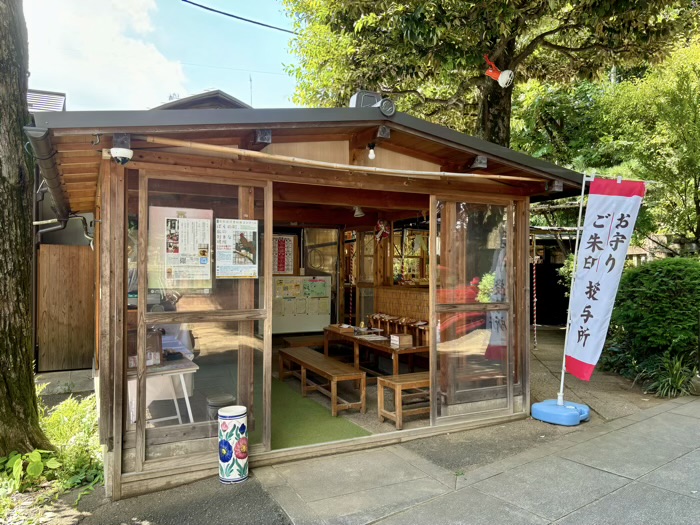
{"points": [[472, 250], [472, 352], [204, 250], [200, 359]]}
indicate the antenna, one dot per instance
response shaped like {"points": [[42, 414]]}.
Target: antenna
{"points": [[250, 78]]}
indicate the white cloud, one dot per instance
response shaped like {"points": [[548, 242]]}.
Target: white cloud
{"points": [[98, 52]]}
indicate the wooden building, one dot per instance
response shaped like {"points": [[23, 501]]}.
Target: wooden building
{"points": [[432, 232]]}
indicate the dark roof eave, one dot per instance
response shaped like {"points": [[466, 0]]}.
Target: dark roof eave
{"points": [[193, 119]]}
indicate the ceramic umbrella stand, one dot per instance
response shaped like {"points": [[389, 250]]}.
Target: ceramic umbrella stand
{"points": [[233, 444]]}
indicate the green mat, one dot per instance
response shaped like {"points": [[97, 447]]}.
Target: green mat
{"points": [[300, 421]]}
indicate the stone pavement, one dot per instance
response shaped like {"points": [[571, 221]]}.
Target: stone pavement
{"points": [[641, 468]]}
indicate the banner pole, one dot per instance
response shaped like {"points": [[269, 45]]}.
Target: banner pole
{"points": [[560, 394]]}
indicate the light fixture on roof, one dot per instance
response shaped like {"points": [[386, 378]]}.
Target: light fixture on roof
{"points": [[480, 162], [504, 78], [372, 155], [358, 211]]}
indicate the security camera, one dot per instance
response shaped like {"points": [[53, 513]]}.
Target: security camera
{"points": [[121, 155]]}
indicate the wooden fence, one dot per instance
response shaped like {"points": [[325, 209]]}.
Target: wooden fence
{"points": [[65, 307]]}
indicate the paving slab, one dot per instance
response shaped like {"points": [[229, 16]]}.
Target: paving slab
{"points": [[466, 506], [551, 487], [368, 506], [668, 427], [627, 454], [691, 409], [327, 477], [681, 475], [637, 504]]}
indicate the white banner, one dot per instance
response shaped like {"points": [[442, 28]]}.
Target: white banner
{"points": [[610, 216]]}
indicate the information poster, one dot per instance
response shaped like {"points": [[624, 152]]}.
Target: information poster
{"points": [[187, 249], [180, 249], [283, 254], [236, 248]]}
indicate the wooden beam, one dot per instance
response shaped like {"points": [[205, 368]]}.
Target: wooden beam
{"points": [[385, 200]]}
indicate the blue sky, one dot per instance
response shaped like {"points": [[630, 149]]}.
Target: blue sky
{"points": [[132, 54]]}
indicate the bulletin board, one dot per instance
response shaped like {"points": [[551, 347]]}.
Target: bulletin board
{"points": [[301, 304]]}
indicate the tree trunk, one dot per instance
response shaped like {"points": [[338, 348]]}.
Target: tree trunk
{"points": [[494, 113], [19, 418], [495, 104]]}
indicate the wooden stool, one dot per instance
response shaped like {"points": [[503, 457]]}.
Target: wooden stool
{"points": [[399, 383]]}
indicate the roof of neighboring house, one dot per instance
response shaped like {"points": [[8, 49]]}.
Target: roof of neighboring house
{"points": [[38, 100], [215, 99]]}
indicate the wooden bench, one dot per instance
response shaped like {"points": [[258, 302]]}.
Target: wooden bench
{"points": [[332, 370], [399, 383], [304, 340]]}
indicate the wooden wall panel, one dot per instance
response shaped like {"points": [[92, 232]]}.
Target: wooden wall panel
{"points": [[66, 307], [326, 151]]}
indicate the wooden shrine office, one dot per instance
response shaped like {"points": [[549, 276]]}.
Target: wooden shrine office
{"points": [[350, 277]]}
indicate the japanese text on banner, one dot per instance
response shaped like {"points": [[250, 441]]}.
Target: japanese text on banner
{"points": [[610, 216]]}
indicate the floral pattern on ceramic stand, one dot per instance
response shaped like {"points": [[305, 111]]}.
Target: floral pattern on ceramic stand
{"points": [[233, 444]]}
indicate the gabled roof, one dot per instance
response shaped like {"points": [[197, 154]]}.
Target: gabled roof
{"points": [[215, 99], [78, 136]]}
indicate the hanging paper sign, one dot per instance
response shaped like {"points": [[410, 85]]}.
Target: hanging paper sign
{"points": [[283, 254], [187, 249], [610, 216], [236, 248]]}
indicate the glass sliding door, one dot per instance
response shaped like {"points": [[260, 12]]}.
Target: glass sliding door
{"points": [[472, 279]]}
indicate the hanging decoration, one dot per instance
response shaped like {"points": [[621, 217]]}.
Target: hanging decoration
{"points": [[382, 230]]}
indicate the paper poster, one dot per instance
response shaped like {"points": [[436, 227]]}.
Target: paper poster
{"points": [[285, 287], [324, 305], [179, 249], [316, 288], [289, 306], [236, 248], [300, 308], [607, 229], [312, 305], [283, 254], [187, 249]]}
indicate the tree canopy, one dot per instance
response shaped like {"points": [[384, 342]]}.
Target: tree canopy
{"points": [[430, 55]]}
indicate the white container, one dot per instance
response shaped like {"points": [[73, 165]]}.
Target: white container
{"points": [[233, 444]]}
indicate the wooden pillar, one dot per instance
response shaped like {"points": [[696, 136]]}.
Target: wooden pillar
{"points": [[118, 309], [246, 329], [103, 240]]}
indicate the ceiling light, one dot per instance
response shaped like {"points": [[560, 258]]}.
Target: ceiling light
{"points": [[358, 211], [372, 155]]}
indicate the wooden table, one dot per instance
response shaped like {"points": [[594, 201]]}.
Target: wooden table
{"points": [[331, 334]]}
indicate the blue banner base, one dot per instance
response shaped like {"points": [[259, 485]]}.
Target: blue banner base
{"points": [[569, 414]]}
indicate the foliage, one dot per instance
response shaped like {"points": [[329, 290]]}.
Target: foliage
{"points": [[655, 323], [429, 55], [566, 273], [669, 376], [657, 123], [72, 428], [486, 287], [19, 471]]}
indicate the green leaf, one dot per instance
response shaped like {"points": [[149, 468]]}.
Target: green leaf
{"points": [[34, 456], [35, 468], [12, 461], [53, 463], [17, 473]]}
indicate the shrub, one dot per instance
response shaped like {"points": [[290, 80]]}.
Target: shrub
{"points": [[654, 325]]}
